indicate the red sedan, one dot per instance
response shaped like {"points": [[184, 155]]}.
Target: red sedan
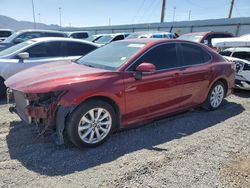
{"points": [[119, 85]]}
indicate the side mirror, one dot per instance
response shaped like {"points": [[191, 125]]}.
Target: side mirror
{"points": [[23, 55], [144, 68], [205, 42], [18, 40]]}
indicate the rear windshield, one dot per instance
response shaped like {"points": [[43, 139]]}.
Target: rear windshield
{"points": [[104, 39], [111, 56]]}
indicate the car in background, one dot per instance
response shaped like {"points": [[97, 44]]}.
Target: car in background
{"points": [[108, 38], [39, 51], [5, 33], [205, 37], [94, 38], [151, 34], [25, 35], [119, 85], [78, 34], [237, 51]]}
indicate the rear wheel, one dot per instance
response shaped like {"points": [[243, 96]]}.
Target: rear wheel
{"points": [[215, 96], [2, 89], [91, 124]]}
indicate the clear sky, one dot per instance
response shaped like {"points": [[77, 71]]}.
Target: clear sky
{"points": [[97, 12]]}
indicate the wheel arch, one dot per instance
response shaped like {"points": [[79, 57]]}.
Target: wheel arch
{"points": [[108, 100], [221, 79]]}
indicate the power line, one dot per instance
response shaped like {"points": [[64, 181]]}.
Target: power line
{"points": [[146, 11], [140, 8], [238, 12]]}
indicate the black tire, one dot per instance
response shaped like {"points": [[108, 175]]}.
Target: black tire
{"points": [[208, 104], [2, 89], [75, 117]]}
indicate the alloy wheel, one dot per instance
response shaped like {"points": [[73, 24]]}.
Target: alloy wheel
{"points": [[217, 96], [95, 125]]}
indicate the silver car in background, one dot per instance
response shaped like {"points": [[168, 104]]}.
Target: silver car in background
{"points": [[24, 35], [39, 51]]}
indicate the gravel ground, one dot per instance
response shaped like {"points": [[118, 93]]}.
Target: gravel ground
{"points": [[192, 149]]}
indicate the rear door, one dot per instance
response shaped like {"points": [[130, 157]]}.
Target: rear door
{"points": [[156, 93], [196, 73]]}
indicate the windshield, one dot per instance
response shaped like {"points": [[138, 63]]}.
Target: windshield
{"points": [[194, 38], [104, 39], [14, 48], [111, 56], [11, 37]]}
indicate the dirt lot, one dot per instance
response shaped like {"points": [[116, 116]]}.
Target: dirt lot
{"points": [[192, 149]]}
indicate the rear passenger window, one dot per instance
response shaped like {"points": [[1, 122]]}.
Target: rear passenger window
{"points": [[79, 49], [193, 55], [163, 57]]}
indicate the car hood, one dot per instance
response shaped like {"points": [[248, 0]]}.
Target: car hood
{"points": [[52, 77]]}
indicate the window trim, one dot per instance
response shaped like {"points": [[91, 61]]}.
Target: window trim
{"points": [[179, 53], [182, 58]]}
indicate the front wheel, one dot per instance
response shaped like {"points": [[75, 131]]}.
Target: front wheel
{"points": [[215, 96], [91, 124]]}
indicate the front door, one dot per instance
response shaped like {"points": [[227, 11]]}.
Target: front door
{"points": [[155, 93]]}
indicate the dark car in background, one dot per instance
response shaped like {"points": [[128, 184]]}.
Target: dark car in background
{"points": [[24, 35], [205, 37], [5, 33], [78, 34], [120, 84]]}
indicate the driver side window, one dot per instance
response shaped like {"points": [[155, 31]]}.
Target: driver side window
{"points": [[163, 57]]}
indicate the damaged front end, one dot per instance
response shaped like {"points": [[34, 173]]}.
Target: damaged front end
{"points": [[41, 109]]}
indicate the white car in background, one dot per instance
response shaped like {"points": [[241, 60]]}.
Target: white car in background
{"points": [[39, 51], [151, 34], [237, 50]]}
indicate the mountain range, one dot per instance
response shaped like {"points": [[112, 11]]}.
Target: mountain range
{"points": [[10, 23]]}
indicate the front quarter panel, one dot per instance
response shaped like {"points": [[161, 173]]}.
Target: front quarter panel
{"points": [[109, 86]]}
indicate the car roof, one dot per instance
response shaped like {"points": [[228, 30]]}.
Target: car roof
{"points": [[151, 32], [40, 30], [207, 32], [46, 39], [238, 49], [6, 30], [71, 32]]}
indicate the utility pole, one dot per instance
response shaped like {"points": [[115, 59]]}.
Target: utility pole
{"points": [[109, 21], [189, 15], [60, 17], [174, 13], [39, 17], [231, 9], [163, 10], [34, 17]]}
